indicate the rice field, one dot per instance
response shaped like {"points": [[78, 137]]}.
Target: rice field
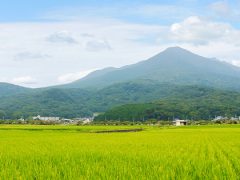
{"points": [[77, 152]]}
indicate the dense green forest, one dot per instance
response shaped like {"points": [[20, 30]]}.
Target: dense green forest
{"points": [[195, 104], [7, 89], [147, 99]]}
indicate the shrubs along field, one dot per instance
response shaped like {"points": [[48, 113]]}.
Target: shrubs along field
{"points": [[71, 152]]}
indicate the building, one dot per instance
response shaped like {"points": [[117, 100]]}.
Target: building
{"points": [[85, 120], [218, 118], [235, 118], [179, 122], [21, 119], [67, 121], [46, 118]]}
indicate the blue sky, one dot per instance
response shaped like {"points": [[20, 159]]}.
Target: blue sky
{"points": [[29, 10], [70, 38]]}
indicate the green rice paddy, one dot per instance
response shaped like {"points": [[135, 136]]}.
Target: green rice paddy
{"points": [[78, 152]]}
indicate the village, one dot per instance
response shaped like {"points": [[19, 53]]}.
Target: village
{"points": [[58, 120], [90, 120]]}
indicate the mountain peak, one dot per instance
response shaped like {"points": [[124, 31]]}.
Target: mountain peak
{"points": [[175, 53], [174, 65], [176, 49]]}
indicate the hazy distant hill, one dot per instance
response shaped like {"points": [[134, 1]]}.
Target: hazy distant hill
{"points": [[174, 65], [7, 89]]}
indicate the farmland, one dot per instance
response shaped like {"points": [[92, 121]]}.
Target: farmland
{"points": [[78, 152]]}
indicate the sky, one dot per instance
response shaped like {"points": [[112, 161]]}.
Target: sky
{"points": [[50, 42]]}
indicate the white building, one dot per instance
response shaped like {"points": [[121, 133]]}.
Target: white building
{"points": [[46, 118], [179, 122], [67, 121], [235, 118], [217, 118], [87, 121]]}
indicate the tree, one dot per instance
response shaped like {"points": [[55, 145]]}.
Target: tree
{"points": [[17, 115], [2, 114]]}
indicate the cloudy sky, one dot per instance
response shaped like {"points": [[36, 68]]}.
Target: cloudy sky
{"points": [[52, 42]]}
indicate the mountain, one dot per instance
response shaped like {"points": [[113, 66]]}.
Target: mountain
{"points": [[7, 89], [49, 102], [94, 75], [174, 65], [177, 79], [194, 103], [71, 103]]}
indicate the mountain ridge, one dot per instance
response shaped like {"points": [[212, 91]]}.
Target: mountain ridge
{"points": [[174, 65], [7, 89], [70, 103], [172, 75]]}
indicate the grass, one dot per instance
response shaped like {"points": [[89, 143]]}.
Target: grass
{"points": [[73, 152]]}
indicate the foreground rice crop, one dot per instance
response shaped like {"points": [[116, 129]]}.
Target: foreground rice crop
{"points": [[70, 152]]}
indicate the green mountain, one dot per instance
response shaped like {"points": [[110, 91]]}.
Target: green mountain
{"points": [[196, 104], [71, 103], [50, 102], [78, 102], [174, 82], [7, 89], [174, 65]]}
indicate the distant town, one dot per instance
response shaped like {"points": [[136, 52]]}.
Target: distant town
{"points": [[90, 120]]}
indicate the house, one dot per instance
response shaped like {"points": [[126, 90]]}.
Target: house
{"points": [[85, 120], [21, 119], [178, 122], [234, 118], [218, 118], [67, 121], [46, 118]]}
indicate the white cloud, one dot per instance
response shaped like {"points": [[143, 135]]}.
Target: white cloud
{"points": [[29, 56], [97, 45], [199, 31], [221, 8], [236, 63], [3, 79], [24, 80], [86, 35], [61, 37], [225, 10], [69, 77]]}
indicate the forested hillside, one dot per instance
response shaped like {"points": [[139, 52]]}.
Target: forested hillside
{"points": [[200, 108], [168, 100], [7, 89], [173, 83]]}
